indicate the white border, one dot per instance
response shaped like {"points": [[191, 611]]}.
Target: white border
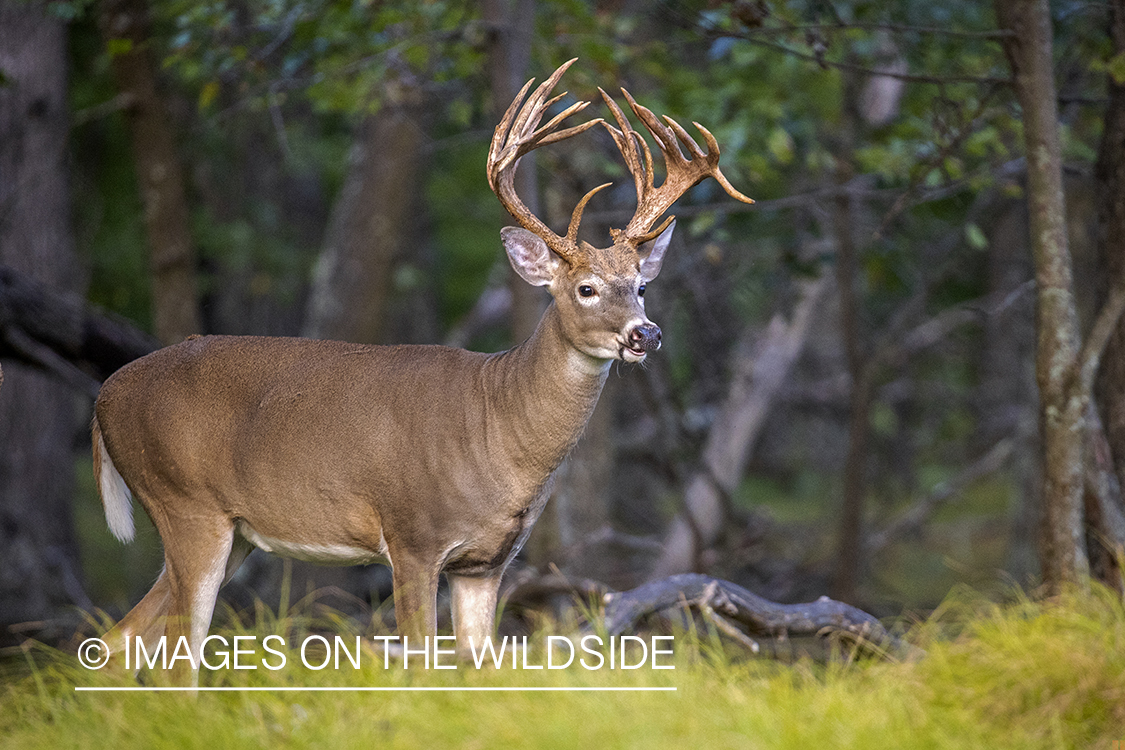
{"points": [[326, 689]]}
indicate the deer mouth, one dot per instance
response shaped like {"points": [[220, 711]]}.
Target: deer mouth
{"points": [[630, 354]]}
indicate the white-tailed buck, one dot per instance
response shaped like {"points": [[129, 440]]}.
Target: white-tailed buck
{"points": [[426, 458]]}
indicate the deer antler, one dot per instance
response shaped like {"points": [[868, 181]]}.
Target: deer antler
{"points": [[683, 172], [519, 133]]}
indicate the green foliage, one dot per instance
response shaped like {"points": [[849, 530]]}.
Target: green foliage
{"points": [[1025, 675], [342, 56]]}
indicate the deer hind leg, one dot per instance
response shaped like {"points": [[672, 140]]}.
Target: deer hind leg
{"points": [[144, 621], [196, 558], [149, 619]]}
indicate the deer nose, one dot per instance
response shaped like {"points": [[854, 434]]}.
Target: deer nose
{"points": [[646, 337]]}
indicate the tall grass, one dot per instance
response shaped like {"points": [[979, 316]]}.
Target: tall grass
{"points": [[1023, 675]]}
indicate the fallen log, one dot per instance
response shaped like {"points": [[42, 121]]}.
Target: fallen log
{"points": [[724, 603]]}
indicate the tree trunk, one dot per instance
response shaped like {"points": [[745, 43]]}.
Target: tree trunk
{"points": [[1062, 404], [850, 536], [1110, 177], [511, 25], [372, 221], [172, 257], [39, 416], [1006, 399]]}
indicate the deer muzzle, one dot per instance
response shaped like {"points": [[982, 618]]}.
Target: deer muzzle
{"points": [[645, 338]]}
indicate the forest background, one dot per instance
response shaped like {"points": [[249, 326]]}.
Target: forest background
{"points": [[880, 381]]}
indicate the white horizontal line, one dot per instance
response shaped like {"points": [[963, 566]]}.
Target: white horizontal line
{"points": [[80, 689]]}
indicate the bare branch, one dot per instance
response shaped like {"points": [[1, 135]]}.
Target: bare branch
{"points": [[101, 110], [760, 371], [58, 333], [855, 67], [31, 351], [722, 624], [916, 515], [895, 27], [1104, 325]]}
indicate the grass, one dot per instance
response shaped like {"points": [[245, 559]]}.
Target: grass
{"points": [[1023, 675]]}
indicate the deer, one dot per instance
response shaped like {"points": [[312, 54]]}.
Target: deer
{"points": [[426, 458]]}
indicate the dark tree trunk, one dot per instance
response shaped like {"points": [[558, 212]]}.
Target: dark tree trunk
{"points": [[172, 257], [1062, 403], [851, 534], [373, 221], [1006, 396], [1110, 177], [512, 27], [39, 416]]}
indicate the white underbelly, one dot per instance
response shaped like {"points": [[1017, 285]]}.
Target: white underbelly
{"points": [[324, 554]]}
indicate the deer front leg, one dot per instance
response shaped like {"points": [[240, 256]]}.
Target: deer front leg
{"points": [[415, 591], [473, 608]]}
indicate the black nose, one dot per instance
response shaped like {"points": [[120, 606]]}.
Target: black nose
{"points": [[646, 337]]}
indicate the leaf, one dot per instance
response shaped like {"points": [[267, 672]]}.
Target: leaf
{"points": [[1116, 68], [780, 145], [118, 46], [975, 236], [208, 93]]}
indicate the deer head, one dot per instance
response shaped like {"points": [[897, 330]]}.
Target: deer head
{"points": [[599, 291]]}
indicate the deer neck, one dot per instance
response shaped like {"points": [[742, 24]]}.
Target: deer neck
{"points": [[546, 390]]}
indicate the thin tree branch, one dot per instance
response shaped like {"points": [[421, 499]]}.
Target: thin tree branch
{"points": [[1090, 357], [857, 68], [916, 515], [722, 624], [118, 103], [895, 27], [856, 187]]}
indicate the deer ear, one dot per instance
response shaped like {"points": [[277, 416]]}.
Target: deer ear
{"points": [[530, 256], [652, 253]]}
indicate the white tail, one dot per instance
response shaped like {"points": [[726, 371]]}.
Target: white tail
{"points": [[117, 501], [428, 458]]}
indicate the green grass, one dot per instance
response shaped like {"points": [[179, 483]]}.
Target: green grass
{"points": [[1024, 675]]}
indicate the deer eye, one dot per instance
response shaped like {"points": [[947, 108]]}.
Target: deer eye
{"points": [[641, 290], [586, 290]]}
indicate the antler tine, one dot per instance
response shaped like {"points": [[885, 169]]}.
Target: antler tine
{"points": [[626, 139], [576, 217], [682, 172], [519, 133]]}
